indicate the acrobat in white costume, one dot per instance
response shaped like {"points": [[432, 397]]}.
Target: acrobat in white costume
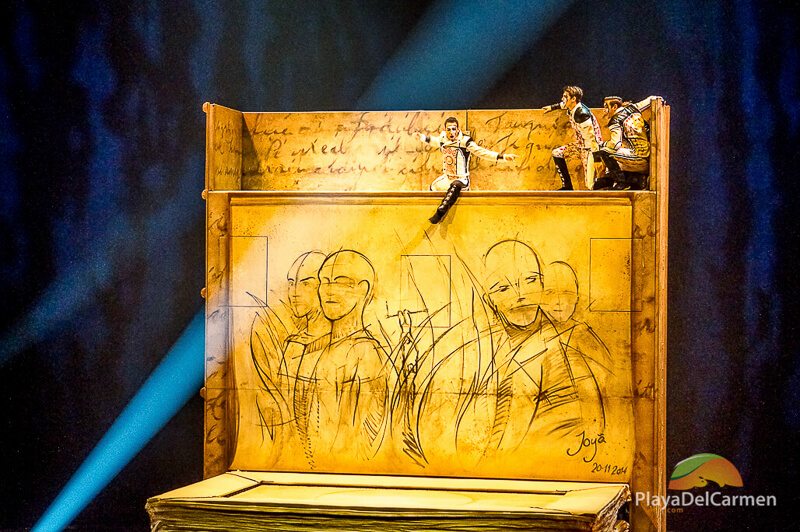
{"points": [[456, 151]]}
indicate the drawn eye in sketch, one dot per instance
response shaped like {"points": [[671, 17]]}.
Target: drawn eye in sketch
{"points": [[501, 288], [340, 282]]}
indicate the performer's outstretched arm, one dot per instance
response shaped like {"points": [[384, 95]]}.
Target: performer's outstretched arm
{"points": [[488, 154], [436, 141]]}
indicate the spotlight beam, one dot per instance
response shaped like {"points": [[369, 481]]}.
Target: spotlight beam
{"points": [[457, 51], [169, 387]]}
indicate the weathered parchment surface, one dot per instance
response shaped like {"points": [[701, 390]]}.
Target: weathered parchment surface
{"points": [[341, 150], [223, 148], [434, 357], [380, 151]]}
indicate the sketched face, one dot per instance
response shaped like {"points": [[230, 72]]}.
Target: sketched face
{"points": [[451, 128], [561, 296], [514, 282], [304, 283], [345, 279]]}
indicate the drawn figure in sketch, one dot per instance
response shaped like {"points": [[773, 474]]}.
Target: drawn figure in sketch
{"points": [[627, 152], [342, 392], [303, 294], [559, 303], [456, 150], [276, 353], [587, 137], [545, 387], [561, 296]]}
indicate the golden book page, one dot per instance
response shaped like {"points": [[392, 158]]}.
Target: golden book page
{"points": [[345, 151], [497, 344], [381, 150]]}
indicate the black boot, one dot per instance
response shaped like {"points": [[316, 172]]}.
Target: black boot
{"points": [[639, 181], [449, 199], [613, 175], [617, 178], [603, 183], [623, 181], [563, 173]]}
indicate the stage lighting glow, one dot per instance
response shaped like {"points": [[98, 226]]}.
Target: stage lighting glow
{"points": [[169, 387], [78, 286], [457, 52], [70, 292]]}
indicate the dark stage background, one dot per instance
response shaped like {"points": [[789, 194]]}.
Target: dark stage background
{"points": [[101, 162]]}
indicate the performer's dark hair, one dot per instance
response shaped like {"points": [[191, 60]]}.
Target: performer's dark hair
{"points": [[574, 91], [451, 119], [618, 100]]}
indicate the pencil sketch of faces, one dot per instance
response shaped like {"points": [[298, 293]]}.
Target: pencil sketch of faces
{"points": [[340, 391], [346, 279], [514, 282], [303, 284], [561, 294]]}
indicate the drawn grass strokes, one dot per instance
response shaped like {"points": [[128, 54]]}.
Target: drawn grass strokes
{"points": [[516, 374]]}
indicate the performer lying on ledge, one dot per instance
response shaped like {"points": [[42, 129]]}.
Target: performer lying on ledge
{"points": [[456, 150]]}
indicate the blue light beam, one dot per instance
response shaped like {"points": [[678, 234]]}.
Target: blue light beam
{"points": [[457, 52], [169, 387]]}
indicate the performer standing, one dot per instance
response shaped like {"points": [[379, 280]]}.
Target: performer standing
{"points": [[456, 151], [587, 137]]}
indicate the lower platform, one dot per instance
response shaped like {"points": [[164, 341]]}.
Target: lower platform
{"points": [[252, 500]]}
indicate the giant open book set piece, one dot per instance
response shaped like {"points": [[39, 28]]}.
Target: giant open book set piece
{"points": [[366, 369]]}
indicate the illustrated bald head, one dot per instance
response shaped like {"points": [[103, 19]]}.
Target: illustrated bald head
{"points": [[346, 282], [513, 281], [561, 295]]}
